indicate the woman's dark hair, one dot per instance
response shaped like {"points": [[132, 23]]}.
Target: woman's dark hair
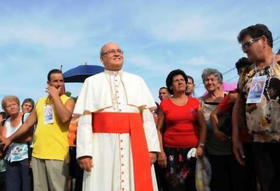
{"points": [[171, 75], [256, 31], [241, 63], [28, 100], [4, 116], [189, 77]]}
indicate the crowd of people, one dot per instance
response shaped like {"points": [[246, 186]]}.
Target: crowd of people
{"points": [[116, 137]]}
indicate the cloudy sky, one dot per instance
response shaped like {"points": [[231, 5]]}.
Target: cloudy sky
{"points": [[156, 36]]}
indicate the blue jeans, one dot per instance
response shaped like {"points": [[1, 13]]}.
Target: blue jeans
{"points": [[18, 176]]}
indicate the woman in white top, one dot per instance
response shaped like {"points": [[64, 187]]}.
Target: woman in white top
{"points": [[18, 176]]}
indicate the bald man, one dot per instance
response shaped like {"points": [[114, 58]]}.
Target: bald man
{"points": [[117, 139]]}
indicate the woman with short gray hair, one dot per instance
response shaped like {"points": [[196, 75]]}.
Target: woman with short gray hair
{"points": [[211, 71], [218, 145]]}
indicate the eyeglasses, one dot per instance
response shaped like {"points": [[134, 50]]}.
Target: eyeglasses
{"points": [[248, 43], [113, 51]]}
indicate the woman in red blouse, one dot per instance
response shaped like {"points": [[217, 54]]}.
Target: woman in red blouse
{"points": [[179, 119]]}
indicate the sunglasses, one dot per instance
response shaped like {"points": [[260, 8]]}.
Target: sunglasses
{"points": [[248, 43]]}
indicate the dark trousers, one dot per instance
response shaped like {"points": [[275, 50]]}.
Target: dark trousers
{"points": [[267, 165], [18, 176], [228, 174], [247, 175], [2, 181], [74, 170], [161, 182]]}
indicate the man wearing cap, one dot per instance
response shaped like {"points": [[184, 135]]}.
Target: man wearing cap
{"points": [[116, 139]]}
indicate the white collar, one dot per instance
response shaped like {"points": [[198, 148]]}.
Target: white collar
{"points": [[115, 73]]}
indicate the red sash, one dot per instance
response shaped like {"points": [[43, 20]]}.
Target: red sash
{"points": [[110, 122]]}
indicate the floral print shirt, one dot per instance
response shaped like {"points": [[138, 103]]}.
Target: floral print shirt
{"points": [[263, 118]]}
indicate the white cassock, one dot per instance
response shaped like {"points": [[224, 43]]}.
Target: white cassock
{"points": [[112, 91]]}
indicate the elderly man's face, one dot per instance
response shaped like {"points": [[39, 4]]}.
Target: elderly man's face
{"points": [[112, 57]]}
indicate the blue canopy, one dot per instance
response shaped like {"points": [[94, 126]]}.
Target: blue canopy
{"points": [[80, 73]]}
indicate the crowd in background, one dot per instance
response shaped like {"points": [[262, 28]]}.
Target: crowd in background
{"points": [[238, 131]]}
